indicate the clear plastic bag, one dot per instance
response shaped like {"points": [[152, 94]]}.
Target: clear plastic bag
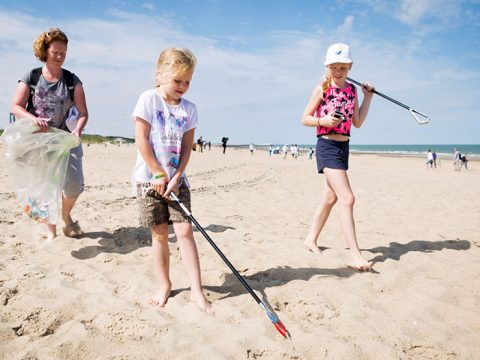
{"points": [[38, 162]]}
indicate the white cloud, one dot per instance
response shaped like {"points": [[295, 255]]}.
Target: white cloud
{"points": [[347, 26], [149, 6], [423, 15], [412, 11], [441, 12]]}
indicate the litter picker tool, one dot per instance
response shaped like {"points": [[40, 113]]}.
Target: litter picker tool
{"points": [[426, 118], [270, 313]]}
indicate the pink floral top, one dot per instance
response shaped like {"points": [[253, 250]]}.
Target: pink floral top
{"points": [[342, 100]]}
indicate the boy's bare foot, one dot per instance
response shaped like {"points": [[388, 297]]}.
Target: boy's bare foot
{"points": [[203, 304], [313, 247], [161, 297], [360, 264]]}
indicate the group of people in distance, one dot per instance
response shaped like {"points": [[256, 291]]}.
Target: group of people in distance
{"points": [[202, 144], [459, 160], [431, 159], [165, 124], [294, 149]]}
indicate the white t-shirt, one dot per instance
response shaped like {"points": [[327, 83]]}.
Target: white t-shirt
{"points": [[168, 124]]}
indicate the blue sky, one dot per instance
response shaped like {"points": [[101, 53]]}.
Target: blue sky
{"points": [[259, 61]]}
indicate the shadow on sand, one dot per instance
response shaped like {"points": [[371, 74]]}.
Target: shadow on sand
{"points": [[279, 276], [396, 250], [270, 278], [127, 239]]}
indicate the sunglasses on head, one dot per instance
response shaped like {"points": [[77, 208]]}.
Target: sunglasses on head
{"points": [[55, 32]]}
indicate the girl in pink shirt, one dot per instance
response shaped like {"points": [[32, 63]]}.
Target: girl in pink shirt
{"points": [[332, 109]]}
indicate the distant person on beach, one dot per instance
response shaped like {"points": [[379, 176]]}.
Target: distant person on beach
{"points": [[429, 159], [251, 148], [209, 145], [270, 150], [434, 155], [165, 125], [200, 143], [285, 151], [457, 162], [55, 92], [332, 109], [464, 161], [310, 153], [294, 151], [224, 143]]}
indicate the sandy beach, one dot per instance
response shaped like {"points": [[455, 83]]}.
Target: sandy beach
{"points": [[87, 298]]}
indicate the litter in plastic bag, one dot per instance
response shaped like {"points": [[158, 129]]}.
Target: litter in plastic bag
{"points": [[72, 118], [38, 162]]}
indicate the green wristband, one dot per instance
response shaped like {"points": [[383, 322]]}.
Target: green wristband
{"points": [[159, 176]]}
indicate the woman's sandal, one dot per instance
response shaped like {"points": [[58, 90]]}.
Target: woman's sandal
{"points": [[72, 230]]}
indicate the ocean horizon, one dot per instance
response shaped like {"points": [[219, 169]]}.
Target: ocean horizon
{"points": [[444, 150]]}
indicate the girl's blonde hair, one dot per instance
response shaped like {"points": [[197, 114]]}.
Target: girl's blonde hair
{"points": [[327, 80], [172, 62], [45, 39]]}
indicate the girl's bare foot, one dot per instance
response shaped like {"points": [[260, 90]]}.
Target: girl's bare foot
{"points": [[161, 297], [51, 232], [51, 236], [360, 264], [203, 304], [313, 247]]}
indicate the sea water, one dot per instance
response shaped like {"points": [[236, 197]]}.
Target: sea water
{"points": [[445, 150]]}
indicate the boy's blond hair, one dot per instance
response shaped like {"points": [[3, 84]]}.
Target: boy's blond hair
{"points": [[172, 62], [45, 39]]}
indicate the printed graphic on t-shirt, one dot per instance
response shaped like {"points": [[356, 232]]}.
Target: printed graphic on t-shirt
{"points": [[168, 124], [51, 105], [169, 128]]}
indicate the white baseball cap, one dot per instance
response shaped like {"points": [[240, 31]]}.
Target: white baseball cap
{"points": [[338, 53]]}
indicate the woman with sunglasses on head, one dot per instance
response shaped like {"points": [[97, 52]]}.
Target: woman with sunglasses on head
{"points": [[47, 95]]}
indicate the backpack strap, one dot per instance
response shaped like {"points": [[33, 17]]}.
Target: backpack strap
{"points": [[34, 77], [68, 76]]}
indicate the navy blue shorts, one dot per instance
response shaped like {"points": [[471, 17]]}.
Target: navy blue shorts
{"points": [[332, 154]]}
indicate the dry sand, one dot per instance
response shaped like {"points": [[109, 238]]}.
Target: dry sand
{"points": [[87, 298]]}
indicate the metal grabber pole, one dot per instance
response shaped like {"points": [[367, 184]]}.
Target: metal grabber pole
{"points": [[426, 118]]}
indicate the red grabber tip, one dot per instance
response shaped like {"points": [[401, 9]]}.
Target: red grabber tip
{"points": [[281, 329]]}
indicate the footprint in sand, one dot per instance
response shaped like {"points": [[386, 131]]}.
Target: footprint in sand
{"points": [[124, 326], [39, 322], [269, 354], [6, 294], [428, 352]]}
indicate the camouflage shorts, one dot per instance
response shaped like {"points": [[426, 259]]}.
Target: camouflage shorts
{"points": [[156, 210]]}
